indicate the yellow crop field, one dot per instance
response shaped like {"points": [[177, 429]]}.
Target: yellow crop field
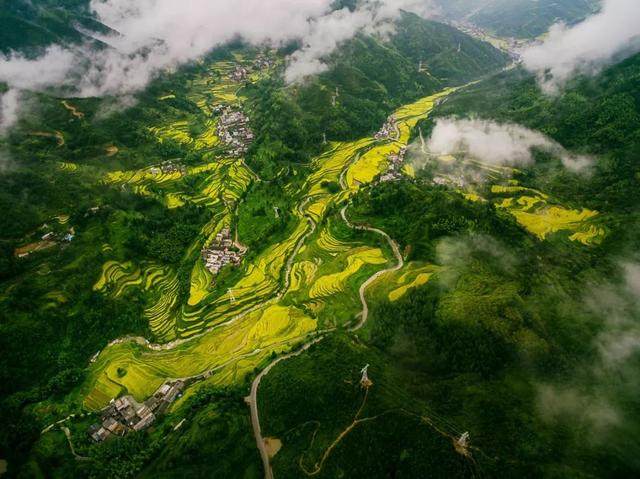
{"points": [[590, 235], [551, 219], [329, 243], [160, 313], [409, 115], [173, 200], [317, 208], [537, 216], [65, 166], [200, 281], [496, 189], [334, 283], [409, 170], [472, 196], [302, 274], [328, 166], [419, 280], [141, 371], [120, 275], [370, 164]]}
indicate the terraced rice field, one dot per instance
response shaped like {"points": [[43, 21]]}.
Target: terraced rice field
{"points": [[532, 210], [160, 282], [229, 352], [118, 277], [419, 280], [70, 167], [179, 131], [200, 283], [318, 268], [335, 283]]}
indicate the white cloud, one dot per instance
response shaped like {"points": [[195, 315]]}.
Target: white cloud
{"points": [[52, 68], [496, 144], [155, 35], [328, 31], [158, 35], [585, 47], [9, 103]]}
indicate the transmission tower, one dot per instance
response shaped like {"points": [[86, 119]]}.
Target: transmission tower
{"points": [[365, 382]]}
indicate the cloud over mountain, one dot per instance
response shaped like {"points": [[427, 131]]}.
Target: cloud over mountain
{"points": [[587, 46], [497, 144], [159, 35]]}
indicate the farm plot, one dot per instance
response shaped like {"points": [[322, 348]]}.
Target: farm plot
{"points": [[230, 351], [334, 283], [532, 209], [160, 282]]}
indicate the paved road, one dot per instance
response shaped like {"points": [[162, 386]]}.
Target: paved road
{"points": [[396, 252], [253, 405]]}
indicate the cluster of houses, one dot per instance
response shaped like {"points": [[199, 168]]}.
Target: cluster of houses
{"points": [[168, 166], [233, 130], [389, 130], [48, 239], [221, 252], [394, 172], [262, 62], [453, 180], [239, 74], [126, 414], [68, 236], [512, 46]]}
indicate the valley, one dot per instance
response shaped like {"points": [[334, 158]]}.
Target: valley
{"points": [[229, 273]]}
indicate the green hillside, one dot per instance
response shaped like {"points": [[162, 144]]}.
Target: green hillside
{"points": [[29, 26], [519, 18], [235, 277]]}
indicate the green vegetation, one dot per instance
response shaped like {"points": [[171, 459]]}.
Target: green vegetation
{"points": [[518, 18], [481, 312], [372, 79], [29, 27]]}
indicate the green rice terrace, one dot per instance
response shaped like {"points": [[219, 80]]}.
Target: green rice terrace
{"points": [[229, 276]]}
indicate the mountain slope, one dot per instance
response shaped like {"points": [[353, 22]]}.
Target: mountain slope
{"points": [[29, 27], [518, 18], [372, 78]]}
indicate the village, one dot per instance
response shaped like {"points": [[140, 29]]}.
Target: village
{"points": [[49, 237], [168, 167], [511, 46], [241, 73], [221, 252], [394, 171], [389, 130], [126, 414], [233, 130]]}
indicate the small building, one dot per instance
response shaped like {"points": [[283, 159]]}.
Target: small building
{"points": [[98, 433]]}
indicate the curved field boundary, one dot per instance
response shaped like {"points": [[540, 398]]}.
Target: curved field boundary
{"points": [[363, 288]]}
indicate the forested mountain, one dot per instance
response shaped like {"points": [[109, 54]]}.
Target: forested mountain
{"points": [[226, 274], [372, 78], [518, 18], [28, 26]]}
